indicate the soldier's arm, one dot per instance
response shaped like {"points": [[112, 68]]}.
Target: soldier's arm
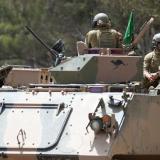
{"points": [[146, 69], [146, 65], [87, 40], [91, 39], [119, 40]]}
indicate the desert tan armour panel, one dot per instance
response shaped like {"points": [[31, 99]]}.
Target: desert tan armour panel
{"points": [[24, 76], [115, 69], [139, 134]]}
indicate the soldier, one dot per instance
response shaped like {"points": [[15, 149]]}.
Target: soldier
{"points": [[103, 36], [151, 66]]}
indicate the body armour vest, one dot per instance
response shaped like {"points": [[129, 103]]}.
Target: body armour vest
{"points": [[107, 38]]}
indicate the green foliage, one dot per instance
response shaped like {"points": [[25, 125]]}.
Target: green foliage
{"points": [[67, 20]]}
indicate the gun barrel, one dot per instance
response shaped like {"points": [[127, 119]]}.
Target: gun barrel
{"points": [[45, 45], [144, 29]]}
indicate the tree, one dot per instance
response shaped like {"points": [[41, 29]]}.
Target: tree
{"points": [[67, 20]]}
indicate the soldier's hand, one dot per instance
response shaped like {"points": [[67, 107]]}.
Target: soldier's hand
{"points": [[152, 77]]}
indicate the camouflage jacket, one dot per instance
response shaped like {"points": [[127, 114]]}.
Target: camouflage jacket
{"points": [[151, 62], [151, 65], [104, 38]]}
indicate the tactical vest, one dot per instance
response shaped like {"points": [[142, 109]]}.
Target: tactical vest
{"points": [[107, 38]]}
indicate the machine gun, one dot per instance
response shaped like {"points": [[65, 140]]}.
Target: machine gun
{"points": [[55, 50]]}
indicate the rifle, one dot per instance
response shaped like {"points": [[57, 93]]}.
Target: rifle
{"points": [[55, 54], [142, 32]]}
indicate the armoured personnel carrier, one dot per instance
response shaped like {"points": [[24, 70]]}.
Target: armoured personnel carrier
{"points": [[93, 111]]}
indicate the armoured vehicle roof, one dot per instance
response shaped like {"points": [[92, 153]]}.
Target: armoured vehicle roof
{"points": [[53, 124]]}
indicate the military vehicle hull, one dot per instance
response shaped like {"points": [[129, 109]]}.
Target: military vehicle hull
{"points": [[87, 69], [86, 113], [23, 76], [53, 124]]}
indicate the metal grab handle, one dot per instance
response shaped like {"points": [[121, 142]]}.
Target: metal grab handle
{"points": [[1, 107], [21, 133]]}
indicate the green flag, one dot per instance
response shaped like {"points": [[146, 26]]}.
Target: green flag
{"points": [[128, 37]]}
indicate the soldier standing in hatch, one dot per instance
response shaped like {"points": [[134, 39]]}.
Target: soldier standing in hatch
{"points": [[151, 66], [103, 36]]}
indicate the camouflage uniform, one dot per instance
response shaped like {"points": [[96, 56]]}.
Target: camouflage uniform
{"points": [[151, 65], [104, 38]]}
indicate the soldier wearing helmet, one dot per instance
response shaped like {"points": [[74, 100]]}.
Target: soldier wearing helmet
{"points": [[151, 66], [102, 36]]}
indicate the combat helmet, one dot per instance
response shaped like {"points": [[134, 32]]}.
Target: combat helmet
{"points": [[156, 40], [100, 19]]}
